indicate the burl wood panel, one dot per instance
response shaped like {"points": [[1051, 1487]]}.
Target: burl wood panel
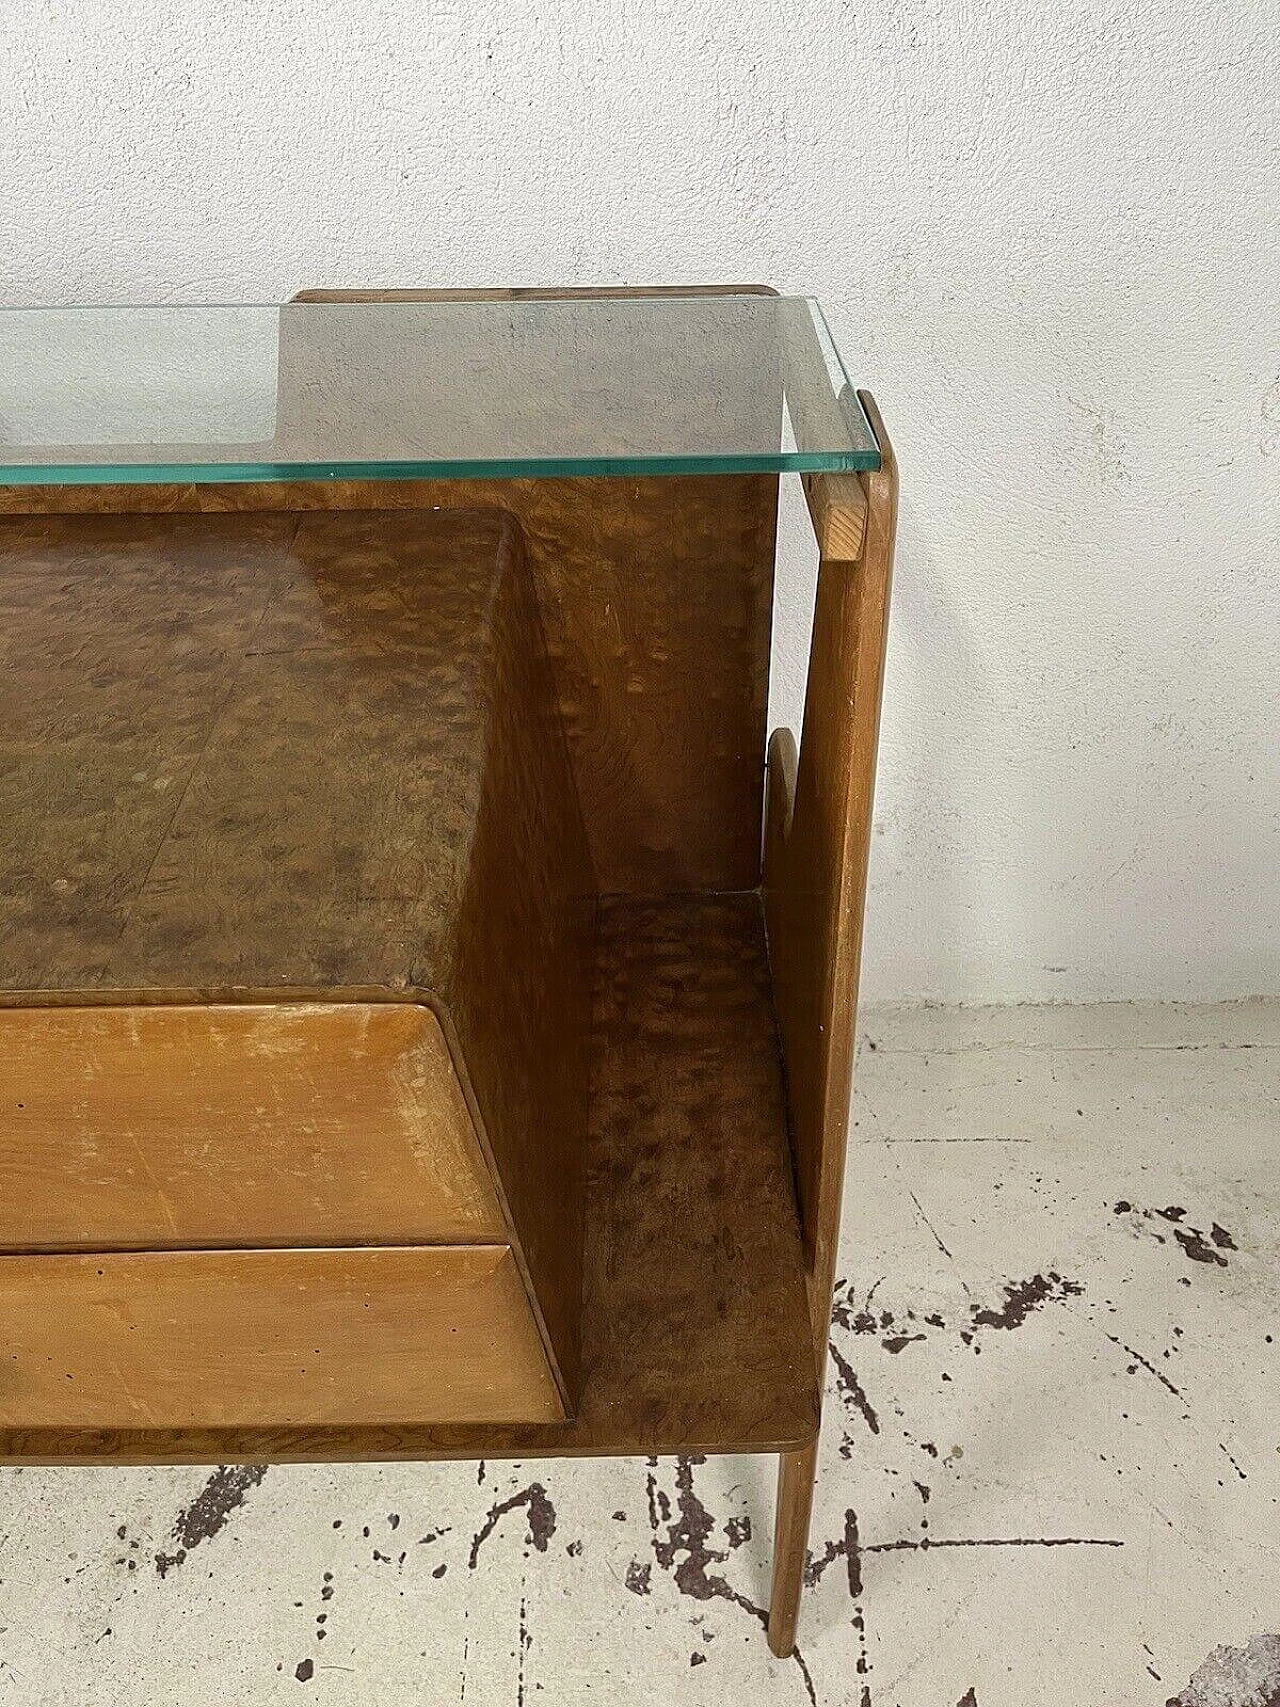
{"points": [[317, 755], [817, 844], [271, 1338], [656, 595], [696, 1332], [173, 1127]]}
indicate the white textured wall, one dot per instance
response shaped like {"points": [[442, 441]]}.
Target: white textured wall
{"points": [[1047, 237]]}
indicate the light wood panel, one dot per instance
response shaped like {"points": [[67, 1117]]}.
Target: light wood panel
{"points": [[269, 1338], [696, 1333], [171, 1127], [838, 510]]}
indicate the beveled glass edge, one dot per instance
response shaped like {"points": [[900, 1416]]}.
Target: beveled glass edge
{"points": [[845, 390], [545, 468]]}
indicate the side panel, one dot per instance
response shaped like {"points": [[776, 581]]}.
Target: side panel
{"points": [[816, 849], [518, 993]]}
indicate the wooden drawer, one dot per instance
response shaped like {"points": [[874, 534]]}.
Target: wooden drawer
{"points": [[175, 1339], [144, 1128], [265, 1214]]}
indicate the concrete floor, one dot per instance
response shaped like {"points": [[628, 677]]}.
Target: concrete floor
{"points": [[1049, 1475]]}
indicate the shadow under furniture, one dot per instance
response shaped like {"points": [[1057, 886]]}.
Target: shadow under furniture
{"points": [[425, 1027]]}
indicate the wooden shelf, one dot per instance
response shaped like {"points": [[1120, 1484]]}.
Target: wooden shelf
{"points": [[696, 1332]]}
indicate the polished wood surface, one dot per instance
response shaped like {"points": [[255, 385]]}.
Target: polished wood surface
{"points": [[696, 1334], [170, 1127], [793, 1510], [313, 1338], [517, 998], [285, 756], [656, 595], [187, 714], [817, 845], [707, 1289]]}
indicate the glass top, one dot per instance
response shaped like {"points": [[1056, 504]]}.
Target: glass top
{"points": [[667, 384]]}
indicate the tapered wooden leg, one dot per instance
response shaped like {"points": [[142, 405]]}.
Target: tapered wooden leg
{"points": [[790, 1544]]}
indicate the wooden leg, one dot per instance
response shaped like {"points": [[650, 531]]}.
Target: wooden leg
{"points": [[790, 1545]]}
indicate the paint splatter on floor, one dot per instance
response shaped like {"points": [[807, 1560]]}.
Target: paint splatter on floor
{"points": [[207, 1514], [1049, 1471]]}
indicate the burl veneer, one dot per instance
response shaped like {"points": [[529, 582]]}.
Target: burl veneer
{"points": [[295, 956]]}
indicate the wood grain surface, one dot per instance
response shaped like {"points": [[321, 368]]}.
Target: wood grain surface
{"points": [[269, 1338], [817, 844], [656, 596], [696, 1332], [171, 1127], [257, 757]]}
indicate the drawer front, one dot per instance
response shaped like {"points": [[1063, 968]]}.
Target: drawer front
{"points": [[163, 1128], [178, 1339]]}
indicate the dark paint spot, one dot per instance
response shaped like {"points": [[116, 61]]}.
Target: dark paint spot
{"points": [[968, 1699], [1141, 1362], [1025, 1296], [685, 1552], [207, 1514], [1236, 1677], [927, 1543], [1197, 1248], [525, 1642], [846, 1548], [1235, 1466], [541, 1516], [737, 1531], [851, 1390], [688, 1535], [697, 1659], [1021, 1298], [639, 1577], [1195, 1244], [306, 1671], [899, 1342]]}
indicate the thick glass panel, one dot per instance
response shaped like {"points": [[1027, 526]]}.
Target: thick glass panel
{"points": [[604, 385]]}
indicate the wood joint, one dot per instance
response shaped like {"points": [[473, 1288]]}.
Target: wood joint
{"points": [[838, 509]]}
